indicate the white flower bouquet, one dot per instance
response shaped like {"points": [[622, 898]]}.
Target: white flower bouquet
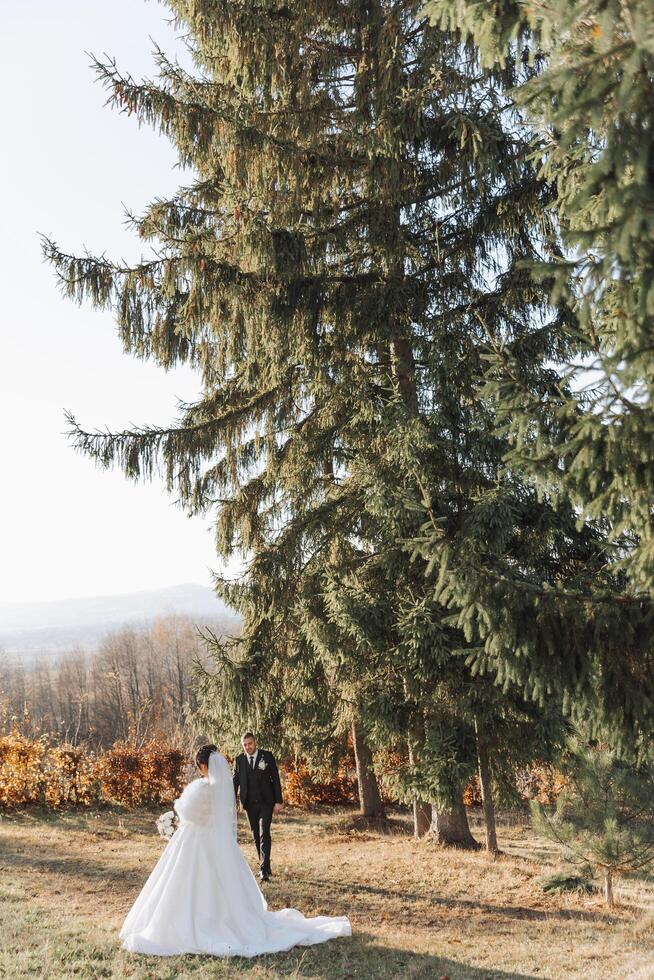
{"points": [[166, 824]]}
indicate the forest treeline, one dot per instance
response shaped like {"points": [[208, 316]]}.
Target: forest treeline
{"points": [[119, 724], [137, 683]]}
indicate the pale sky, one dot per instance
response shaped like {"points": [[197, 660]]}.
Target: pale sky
{"points": [[68, 164]]}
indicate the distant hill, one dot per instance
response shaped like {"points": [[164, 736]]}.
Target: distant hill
{"points": [[29, 629]]}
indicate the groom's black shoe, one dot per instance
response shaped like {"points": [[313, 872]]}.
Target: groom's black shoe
{"points": [[265, 876]]}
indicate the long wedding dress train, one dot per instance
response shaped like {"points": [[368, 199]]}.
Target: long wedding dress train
{"points": [[201, 896]]}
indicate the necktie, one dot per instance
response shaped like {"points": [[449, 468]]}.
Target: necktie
{"points": [[251, 762]]}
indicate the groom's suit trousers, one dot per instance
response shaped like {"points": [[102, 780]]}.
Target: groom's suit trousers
{"points": [[260, 817]]}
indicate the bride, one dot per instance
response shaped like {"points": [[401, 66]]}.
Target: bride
{"points": [[201, 896]]}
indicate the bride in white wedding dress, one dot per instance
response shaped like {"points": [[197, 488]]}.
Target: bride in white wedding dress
{"points": [[201, 896]]}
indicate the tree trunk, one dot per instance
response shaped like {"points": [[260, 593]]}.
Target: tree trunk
{"points": [[386, 234], [608, 888], [422, 815], [486, 791], [421, 809], [370, 800], [450, 827]]}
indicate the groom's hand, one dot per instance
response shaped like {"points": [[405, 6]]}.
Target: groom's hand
{"points": [[277, 808]]}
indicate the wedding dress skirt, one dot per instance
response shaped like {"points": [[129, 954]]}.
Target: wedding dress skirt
{"points": [[201, 896]]}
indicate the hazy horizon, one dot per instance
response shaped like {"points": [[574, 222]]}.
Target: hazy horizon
{"points": [[55, 626], [68, 529], [5, 604]]}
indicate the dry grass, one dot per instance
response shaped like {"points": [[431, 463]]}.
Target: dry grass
{"points": [[417, 911]]}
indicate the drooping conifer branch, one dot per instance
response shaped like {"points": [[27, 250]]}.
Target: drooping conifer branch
{"points": [[353, 245]]}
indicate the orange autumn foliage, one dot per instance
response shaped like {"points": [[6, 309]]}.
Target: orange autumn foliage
{"points": [[22, 769], [151, 773], [36, 771], [301, 788], [130, 773], [542, 783]]}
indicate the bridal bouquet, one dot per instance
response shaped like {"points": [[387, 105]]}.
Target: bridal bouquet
{"points": [[166, 824]]}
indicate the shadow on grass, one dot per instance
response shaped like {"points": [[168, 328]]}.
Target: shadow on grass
{"points": [[84, 871], [508, 911], [359, 955], [82, 868], [108, 821], [322, 818]]}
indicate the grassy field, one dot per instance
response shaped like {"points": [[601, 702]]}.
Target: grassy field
{"points": [[67, 880]]}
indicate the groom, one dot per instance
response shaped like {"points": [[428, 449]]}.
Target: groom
{"points": [[257, 778]]}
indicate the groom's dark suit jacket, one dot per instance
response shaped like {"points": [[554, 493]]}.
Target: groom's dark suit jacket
{"points": [[260, 785]]}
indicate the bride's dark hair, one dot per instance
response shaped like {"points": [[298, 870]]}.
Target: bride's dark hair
{"points": [[203, 753]]}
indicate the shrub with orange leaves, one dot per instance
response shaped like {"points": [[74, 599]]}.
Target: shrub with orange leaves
{"points": [[70, 777], [23, 774], [301, 788], [119, 772], [133, 774], [35, 771], [540, 782], [151, 773], [472, 793], [543, 783]]}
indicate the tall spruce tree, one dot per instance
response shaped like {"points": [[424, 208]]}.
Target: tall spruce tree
{"points": [[362, 203], [591, 105]]}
